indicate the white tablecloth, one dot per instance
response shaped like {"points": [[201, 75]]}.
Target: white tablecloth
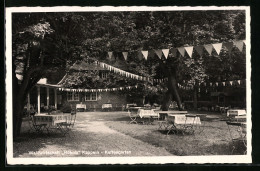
{"points": [[51, 120], [81, 106], [147, 113], [236, 112], [182, 119], [106, 106]]}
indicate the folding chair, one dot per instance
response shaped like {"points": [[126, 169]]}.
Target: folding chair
{"points": [[237, 132], [133, 115], [37, 127], [189, 125], [65, 127], [162, 121]]}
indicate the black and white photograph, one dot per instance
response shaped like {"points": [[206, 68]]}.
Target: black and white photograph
{"points": [[128, 85]]}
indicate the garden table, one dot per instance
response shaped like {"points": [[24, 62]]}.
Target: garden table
{"points": [[107, 106], [162, 121], [51, 121], [149, 114], [81, 106], [236, 112], [186, 123]]}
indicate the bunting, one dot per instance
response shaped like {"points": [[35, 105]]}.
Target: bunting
{"points": [[199, 49], [239, 44], [165, 52], [173, 52], [229, 46], [231, 83], [158, 53], [145, 53], [125, 55], [125, 73], [110, 54], [209, 48], [98, 90], [182, 51], [189, 50], [217, 47]]}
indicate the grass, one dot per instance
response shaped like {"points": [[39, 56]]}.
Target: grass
{"points": [[214, 140]]}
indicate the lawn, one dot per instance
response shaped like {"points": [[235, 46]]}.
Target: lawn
{"points": [[100, 131], [213, 140]]}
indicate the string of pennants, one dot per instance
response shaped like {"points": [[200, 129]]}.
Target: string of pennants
{"points": [[130, 75], [212, 84], [98, 90], [189, 50]]}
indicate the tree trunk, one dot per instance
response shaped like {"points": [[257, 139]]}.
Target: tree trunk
{"points": [[195, 99], [166, 101], [18, 107], [172, 86]]}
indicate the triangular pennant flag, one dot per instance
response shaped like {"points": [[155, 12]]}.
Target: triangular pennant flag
{"points": [[165, 52], [189, 50], [244, 41], [216, 84], [110, 54], [173, 52], [231, 82], [158, 53], [209, 48], [145, 53], [182, 51], [229, 46], [217, 47], [239, 44], [125, 55], [199, 49], [238, 81], [223, 83]]}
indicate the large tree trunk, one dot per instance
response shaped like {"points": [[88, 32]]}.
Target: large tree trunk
{"points": [[166, 101], [18, 107], [172, 87]]}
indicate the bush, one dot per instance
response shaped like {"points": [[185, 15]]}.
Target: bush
{"points": [[66, 108]]}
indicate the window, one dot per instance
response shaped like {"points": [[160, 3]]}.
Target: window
{"points": [[91, 96], [73, 96], [103, 75]]}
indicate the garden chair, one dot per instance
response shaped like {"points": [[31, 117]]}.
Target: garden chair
{"points": [[237, 132], [162, 121], [189, 125], [132, 113], [37, 127], [65, 127]]}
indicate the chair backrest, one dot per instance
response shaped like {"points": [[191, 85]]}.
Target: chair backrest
{"points": [[72, 119]]}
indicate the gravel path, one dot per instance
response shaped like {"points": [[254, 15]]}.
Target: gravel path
{"points": [[91, 138]]}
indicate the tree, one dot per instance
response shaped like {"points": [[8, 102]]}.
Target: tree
{"points": [[42, 44], [46, 42]]}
